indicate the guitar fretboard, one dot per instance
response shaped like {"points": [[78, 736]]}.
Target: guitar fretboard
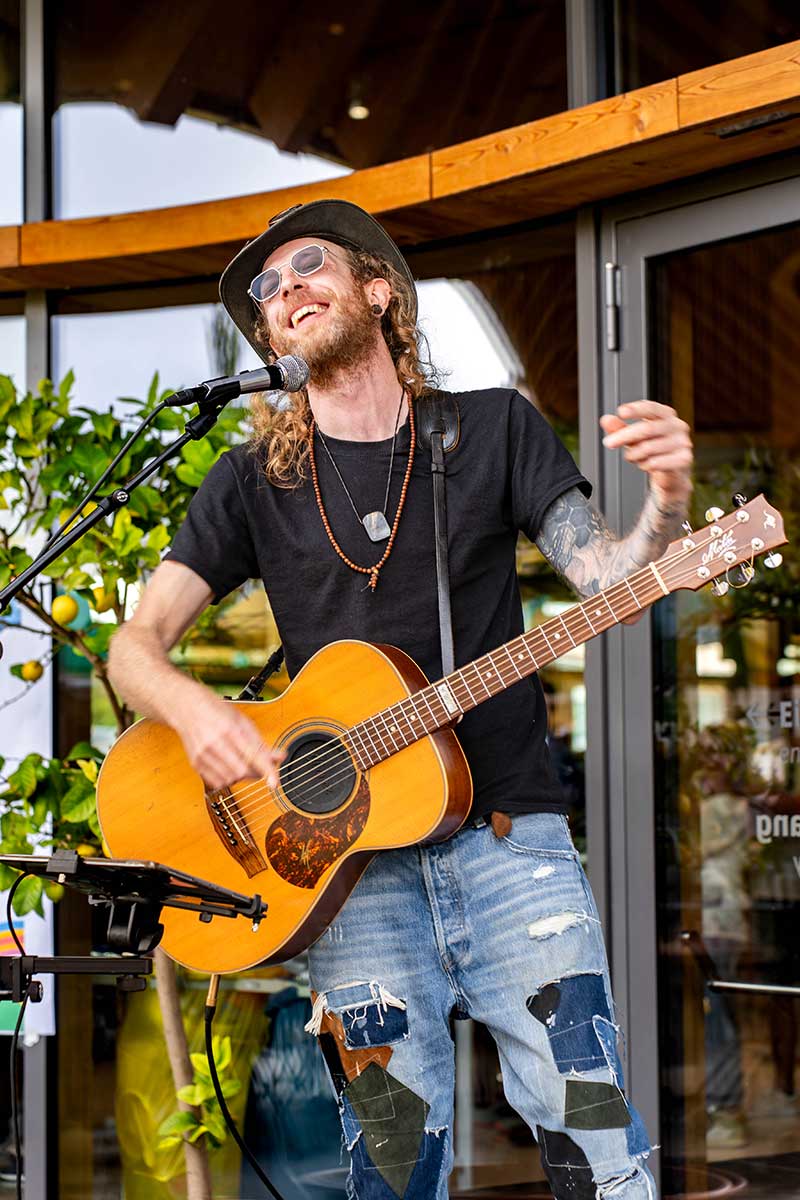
{"points": [[441, 704]]}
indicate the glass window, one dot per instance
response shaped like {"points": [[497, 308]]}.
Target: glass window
{"points": [[658, 39], [141, 124], [727, 712], [10, 114]]}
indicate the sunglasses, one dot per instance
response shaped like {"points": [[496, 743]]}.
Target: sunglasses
{"points": [[303, 262]]}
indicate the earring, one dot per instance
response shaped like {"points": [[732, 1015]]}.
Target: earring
{"points": [[378, 311]]}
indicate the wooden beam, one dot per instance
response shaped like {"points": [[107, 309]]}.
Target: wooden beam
{"points": [[645, 138]]}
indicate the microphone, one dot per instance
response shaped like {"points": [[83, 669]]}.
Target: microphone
{"points": [[288, 374]]}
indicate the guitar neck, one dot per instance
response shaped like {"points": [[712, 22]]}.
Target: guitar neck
{"points": [[441, 704]]}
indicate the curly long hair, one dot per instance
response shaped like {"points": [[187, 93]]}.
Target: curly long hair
{"points": [[281, 432]]}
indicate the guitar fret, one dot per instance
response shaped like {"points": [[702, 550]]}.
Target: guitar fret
{"points": [[476, 669], [633, 593], [524, 642], [586, 618], [540, 629], [389, 731], [401, 711], [608, 605], [466, 685], [375, 736], [430, 710], [359, 752], [511, 660], [566, 626]]}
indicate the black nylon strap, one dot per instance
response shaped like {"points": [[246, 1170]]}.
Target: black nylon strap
{"points": [[439, 428]]}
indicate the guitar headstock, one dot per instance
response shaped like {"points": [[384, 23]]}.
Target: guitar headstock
{"points": [[731, 539]]}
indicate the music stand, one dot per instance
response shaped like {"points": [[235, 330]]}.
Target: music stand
{"points": [[135, 892]]}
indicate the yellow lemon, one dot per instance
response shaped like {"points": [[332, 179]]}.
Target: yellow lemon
{"points": [[54, 891], [103, 600], [87, 850], [32, 670], [64, 610]]}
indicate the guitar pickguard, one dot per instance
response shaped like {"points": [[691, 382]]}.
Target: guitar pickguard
{"points": [[301, 848]]}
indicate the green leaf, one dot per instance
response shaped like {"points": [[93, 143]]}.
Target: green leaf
{"points": [[177, 1123], [7, 875], [158, 537], [231, 1088], [197, 1133], [200, 1064], [189, 475], [24, 779], [215, 1123], [84, 750], [28, 896], [222, 1053]]}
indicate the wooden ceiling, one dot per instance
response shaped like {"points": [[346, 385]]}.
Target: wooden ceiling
{"points": [[430, 74]]}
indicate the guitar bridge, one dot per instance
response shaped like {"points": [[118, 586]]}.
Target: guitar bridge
{"points": [[231, 829]]}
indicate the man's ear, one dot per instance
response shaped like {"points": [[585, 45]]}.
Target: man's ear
{"points": [[379, 292]]}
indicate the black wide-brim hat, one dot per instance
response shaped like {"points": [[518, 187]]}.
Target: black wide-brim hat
{"points": [[336, 221]]}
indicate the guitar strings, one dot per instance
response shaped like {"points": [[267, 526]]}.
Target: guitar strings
{"points": [[255, 793], [315, 758]]}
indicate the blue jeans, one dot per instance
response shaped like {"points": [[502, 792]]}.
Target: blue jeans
{"points": [[504, 930]]}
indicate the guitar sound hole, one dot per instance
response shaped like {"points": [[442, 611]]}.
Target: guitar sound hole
{"points": [[317, 774]]}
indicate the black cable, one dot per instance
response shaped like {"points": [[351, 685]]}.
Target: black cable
{"points": [[210, 1009], [9, 913], [15, 1095]]}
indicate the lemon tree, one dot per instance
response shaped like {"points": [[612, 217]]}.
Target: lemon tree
{"points": [[51, 451]]}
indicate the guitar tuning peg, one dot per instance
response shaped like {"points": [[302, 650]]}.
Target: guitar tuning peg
{"points": [[686, 526], [719, 587], [773, 560], [745, 573], [739, 499], [714, 514]]}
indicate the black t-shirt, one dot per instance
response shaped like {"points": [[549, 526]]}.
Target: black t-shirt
{"points": [[508, 467]]}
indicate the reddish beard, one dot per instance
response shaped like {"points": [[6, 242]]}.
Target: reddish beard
{"points": [[345, 340]]}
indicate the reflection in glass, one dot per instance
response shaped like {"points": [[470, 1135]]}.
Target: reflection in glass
{"points": [[10, 115], [728, 728], [658, 39]]}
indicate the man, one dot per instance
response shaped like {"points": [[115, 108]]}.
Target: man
{"points": [[331, 505]]}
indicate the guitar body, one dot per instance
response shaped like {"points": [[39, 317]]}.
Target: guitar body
{"points": [[303, 848]]}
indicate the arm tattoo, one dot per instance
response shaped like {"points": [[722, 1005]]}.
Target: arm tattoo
{"points": [[576, 541]]}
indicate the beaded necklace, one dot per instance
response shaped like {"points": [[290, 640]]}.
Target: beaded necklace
{"points": [[373, 572]]}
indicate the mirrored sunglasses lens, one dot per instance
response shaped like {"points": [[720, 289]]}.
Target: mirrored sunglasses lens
{"points": [[265, 285], [307, 260]]}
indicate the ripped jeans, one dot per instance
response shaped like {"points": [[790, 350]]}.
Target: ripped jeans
{"points": [[505, 931]]}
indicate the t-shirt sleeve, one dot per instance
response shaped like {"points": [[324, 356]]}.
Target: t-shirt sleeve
{"points": [[214, 539], [541, 467]]}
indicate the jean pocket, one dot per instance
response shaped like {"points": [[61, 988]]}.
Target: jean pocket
{"points": [[545, 834], [369, 1013]]}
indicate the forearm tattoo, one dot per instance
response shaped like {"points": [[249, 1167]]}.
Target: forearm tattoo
{"points": [[576, 541]]}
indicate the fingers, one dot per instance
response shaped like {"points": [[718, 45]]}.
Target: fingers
{"points": [[654, 427], [224, 747]]}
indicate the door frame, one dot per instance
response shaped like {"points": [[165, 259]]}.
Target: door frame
{"points": [[629, 235]]}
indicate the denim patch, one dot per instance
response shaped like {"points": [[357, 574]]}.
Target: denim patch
{"points": [[392, 1120], [592, 1105], [566, 1166], [607, 1036], [566, 1008], [367, 1182], [370, 1016], [636, 1135]]}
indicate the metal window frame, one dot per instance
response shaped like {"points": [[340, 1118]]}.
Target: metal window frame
{"points": [[679, 218]]}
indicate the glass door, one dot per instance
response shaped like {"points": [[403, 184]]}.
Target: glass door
{"points": [[710, 313]]}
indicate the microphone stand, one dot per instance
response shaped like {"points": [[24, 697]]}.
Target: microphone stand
{"points": [[196, 428]]}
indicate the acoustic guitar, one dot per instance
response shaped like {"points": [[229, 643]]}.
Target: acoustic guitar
{"points": [[372, 762]]}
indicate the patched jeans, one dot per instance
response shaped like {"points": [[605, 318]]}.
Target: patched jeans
{"points": [[506, 931]]}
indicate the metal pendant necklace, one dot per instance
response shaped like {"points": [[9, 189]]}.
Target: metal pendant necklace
{"points": [[374, 571], [375, 523]]}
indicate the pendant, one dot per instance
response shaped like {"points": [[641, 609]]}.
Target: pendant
{"points": [[377, 526]]}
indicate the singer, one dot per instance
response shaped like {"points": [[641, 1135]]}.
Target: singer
{"points": [[331, 505]]}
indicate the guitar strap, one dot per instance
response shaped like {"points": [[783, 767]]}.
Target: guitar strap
{"points": [[438, 430]]}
